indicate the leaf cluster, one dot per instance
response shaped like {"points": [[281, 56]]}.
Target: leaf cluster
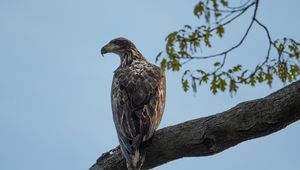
{"points": [[183, 46]]}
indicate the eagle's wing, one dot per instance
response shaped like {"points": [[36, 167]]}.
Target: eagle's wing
{"points": [[138, 99]]}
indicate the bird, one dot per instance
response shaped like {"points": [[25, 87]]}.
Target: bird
{"points": [[138, 96]]}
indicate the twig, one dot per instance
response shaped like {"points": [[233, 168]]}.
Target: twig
{"points": [[243, 38]]}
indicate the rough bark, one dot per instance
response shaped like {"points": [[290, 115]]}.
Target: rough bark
{"points": [[213, 134]]}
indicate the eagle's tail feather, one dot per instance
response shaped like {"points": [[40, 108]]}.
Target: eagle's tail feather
{"points": [[137, 159], [138, 154]]}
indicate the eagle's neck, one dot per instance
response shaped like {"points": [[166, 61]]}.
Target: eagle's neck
{"points": [[129, 56]]}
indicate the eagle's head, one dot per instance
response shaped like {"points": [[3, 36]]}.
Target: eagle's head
{"points": [[118, 46]]}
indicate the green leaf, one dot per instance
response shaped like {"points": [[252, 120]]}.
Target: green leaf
{"points": [[292, 48], [198, 10], [220, 31], [217, 64], [295, 69], [163, 64], [241, 79], [214, 86], [218, 14], [171, 36], [260, 76], [297, 55], [185, 85], [252, 80], [282, 71], [232, 86], [222, 84], [237, 68], [224, 3], [175, 65], [206, 37], [183, 54], [269, 78], [280, 49], [205, 78]]}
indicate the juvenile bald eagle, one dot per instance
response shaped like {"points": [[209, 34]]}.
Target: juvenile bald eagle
{"points": [[138, 99]]}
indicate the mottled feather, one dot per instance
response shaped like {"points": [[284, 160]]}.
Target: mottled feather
{"points": [[138, 99]]}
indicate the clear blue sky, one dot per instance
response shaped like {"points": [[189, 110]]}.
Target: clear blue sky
{"points": [[55, 87]]}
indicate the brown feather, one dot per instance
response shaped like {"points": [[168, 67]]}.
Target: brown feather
{"points": [[138, 99]]}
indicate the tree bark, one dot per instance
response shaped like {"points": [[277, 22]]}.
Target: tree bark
{"points": [[213, 134]]}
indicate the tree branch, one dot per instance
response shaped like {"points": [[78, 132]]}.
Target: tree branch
{"points": [[242, 39], [213, 134]]}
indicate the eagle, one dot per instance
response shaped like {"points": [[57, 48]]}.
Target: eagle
{"points": [[138, 95]]}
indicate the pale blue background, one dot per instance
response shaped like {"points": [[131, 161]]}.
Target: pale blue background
{"points": [[55, 87]]}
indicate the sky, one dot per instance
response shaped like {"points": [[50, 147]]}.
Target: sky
{"points": [[55, 111]]}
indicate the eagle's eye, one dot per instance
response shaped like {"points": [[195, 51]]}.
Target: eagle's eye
{"points": [[118, 46]]}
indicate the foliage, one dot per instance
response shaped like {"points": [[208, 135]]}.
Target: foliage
{"points": [[182, 47]]}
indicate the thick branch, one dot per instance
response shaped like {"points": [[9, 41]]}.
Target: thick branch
{"points": [[213, 134]]}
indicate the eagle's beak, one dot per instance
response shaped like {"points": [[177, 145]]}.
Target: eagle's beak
{"points": [[103, 51], [108, 48]]}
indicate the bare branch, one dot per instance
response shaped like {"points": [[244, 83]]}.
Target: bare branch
{"points": [[243, 10], [237, 7], [243, 38], [240, 8]]}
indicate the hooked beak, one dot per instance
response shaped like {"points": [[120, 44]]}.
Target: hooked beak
{"points": [[103, 51], [108, 48]]}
